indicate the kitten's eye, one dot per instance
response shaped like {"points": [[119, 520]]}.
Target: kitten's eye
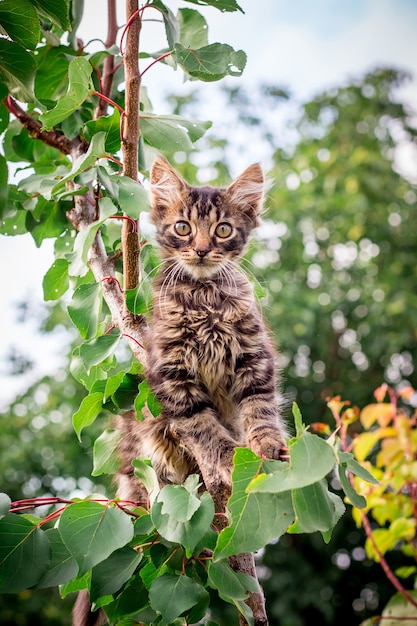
{"points": [[182, 228], [223, 230]]}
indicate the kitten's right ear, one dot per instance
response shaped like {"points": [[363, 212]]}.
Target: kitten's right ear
{"points": [[167, 186]]}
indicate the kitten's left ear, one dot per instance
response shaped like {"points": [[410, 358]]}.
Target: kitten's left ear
{"points": [[246, 192], [166, 183]]}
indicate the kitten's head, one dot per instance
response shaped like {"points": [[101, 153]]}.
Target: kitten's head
{"points": [[202, 228]]}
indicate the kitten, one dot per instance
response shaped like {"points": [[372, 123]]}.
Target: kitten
{"points": [[211, 362]]}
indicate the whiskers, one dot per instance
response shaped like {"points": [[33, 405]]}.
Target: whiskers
{"points": [[173, 272], [226, 274]]}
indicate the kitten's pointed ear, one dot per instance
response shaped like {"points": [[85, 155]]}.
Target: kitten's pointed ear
{"points": [[167, 186], [246, 192]]}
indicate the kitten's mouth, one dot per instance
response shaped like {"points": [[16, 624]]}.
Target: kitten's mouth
{"points": [[202, 267]]}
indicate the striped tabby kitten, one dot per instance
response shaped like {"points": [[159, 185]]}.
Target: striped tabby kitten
{"points": [[211, 362]]}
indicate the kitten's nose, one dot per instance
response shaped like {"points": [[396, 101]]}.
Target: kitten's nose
{"points": [[202, 251]]}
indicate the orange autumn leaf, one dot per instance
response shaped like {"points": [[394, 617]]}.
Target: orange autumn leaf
{"points": [[381, 392]]}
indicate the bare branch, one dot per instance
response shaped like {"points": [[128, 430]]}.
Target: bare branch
{"points": [[34, 127], [130, 239], [108, 67]]}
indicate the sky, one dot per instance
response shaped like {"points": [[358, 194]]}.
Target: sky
{"points": [[302, 45]]}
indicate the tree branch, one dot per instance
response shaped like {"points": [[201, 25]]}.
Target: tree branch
{"points": [[108, 66], [130, 239], [34, 127], [384, 564]]}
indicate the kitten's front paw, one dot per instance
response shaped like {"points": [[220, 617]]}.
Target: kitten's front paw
{"points": [[270, 445]]}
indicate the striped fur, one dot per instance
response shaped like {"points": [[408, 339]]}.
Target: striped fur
{"points": [[210, 358]]}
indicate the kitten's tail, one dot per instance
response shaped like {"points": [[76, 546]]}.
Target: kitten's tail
{"points": [[82, 615]]}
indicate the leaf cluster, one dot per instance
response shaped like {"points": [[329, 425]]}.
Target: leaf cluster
{"points": [[385, 447], [155, 561]]}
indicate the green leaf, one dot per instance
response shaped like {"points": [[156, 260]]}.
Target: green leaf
{"points": [[62, 567], [230, 584], [256, 518], [172, 595], [92, 532], [57, 11], [311, 459], [399, 610], [210, 63], [355, 498], [110, 125], [147, 398], [85, 239], [20, 20], [178, 503], [105, 459], [112, 384], [222, 5], [136, 302], [406, 571], [14, 223], [144, 526], [130, 601], [97, 350], [25, 553], [351, 464], [51, 78], [110, 575], [78, 370], [133, 198], [170, 22], [90, 408], [108, 181], [75, 584], [193, 29], [49, 220], [96, 150], [316, 509], [79, 89], [147, 476], [5, 504], [298, 420], [38, 183], [56, 281], [124, 396], [85, 309], [170, 133], [17, 70]]}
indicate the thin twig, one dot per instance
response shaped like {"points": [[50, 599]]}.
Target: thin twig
{"points": [[106, 82], [388, 571]]}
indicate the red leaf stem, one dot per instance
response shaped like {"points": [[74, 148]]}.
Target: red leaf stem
{"points": [[126, 28], [125, 217], [112, 279], [133, 339], [388, 571], [109, 100], [163, 56]]}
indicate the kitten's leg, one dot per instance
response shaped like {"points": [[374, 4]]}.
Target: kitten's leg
{"points": [[82, 615], [255, 391], [151, 439], [195, 423], [212, 447]]}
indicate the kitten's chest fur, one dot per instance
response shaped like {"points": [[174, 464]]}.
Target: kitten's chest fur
{"points": [[205, 324]]}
